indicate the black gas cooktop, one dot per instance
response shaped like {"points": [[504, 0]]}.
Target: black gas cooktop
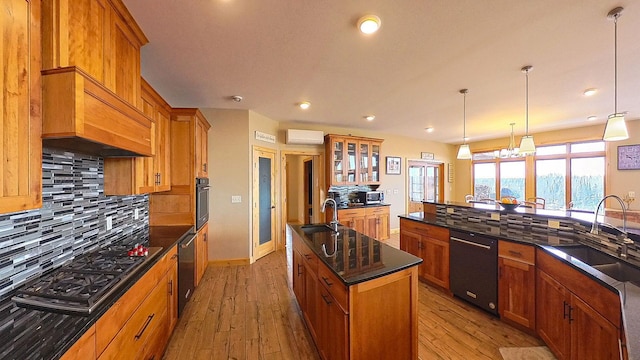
{"points": [[83, 284]]}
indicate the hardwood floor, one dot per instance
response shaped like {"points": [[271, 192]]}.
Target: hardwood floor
{"points": [[248, 312]]}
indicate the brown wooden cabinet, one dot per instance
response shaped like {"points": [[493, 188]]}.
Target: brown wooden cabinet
{"points": [[431, 243], [21, 174], [517, 283], [177, 206], [352, 160], [202, 148], [202, 253], [172, 293], [371, 221], [98, 36], [347, 322], [576, 317], [141, 175]]}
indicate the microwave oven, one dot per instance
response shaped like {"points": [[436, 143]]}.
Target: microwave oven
{"points": [[370, 197]]}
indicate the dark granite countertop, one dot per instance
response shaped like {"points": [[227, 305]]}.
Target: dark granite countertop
{"points": [[357, 257], [343, 207], [27, 334], [629, 292]]}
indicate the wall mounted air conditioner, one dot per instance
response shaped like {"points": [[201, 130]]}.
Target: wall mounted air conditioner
{"points": [[305, 137]]}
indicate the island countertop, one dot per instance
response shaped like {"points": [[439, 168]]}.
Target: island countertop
{"points": [[352, 256]]}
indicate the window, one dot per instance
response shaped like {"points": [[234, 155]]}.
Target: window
{"points": [[566, 175], [512, 175], [484, 180]]}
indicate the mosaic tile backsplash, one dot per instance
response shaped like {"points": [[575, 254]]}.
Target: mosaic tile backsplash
{"points": [[71, 222]]}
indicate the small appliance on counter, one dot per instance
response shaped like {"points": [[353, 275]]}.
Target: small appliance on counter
{"points": [[370, 197]]}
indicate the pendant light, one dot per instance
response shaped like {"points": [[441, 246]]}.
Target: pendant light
{"points": [[464, 153], [616, 128], [527, 147]]}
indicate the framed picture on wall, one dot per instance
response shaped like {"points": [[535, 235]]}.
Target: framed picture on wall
{"points": [[393, 165], [629, 157]]}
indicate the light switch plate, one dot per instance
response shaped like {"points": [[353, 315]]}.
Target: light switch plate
{"points": [[632, 194], [450, 210], [235, 199], [554, 224], [495, 216]]}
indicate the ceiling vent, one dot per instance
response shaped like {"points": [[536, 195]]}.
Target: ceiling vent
{"points": [[305, 137]]}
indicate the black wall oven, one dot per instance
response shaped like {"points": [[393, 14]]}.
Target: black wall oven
{"points": [[202, 202]]}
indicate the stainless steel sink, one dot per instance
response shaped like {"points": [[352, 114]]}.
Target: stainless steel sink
{"points": [[606, 264], [316, 228]]}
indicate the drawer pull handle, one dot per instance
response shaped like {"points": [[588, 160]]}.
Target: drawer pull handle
{"points": [[515, 253], [307, 256], [326, 281], [326, 299], [299, 269], [139, 335], [175, 256]]}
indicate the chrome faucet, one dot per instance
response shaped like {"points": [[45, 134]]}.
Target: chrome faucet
{"points": [[334, 222], [625, 241]]}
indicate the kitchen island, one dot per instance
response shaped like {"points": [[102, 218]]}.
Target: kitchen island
{"points": [[553, 255], [358, 296]]}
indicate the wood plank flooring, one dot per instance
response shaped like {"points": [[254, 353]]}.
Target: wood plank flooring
{"points": [[249, 312]]}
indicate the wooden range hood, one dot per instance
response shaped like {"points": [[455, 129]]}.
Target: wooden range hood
{"points": [[82, 115]]}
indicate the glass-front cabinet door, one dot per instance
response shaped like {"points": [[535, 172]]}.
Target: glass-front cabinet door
{"points": [[364, 163], [337, 170], [375, 163], [352, 161]]}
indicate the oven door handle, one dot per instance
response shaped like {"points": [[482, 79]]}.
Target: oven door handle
{"points": [[184, 246], [487, 247]]}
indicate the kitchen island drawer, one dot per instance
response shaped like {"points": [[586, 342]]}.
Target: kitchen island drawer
{"points": [[336, 288]]}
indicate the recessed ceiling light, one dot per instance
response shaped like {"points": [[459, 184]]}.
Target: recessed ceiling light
{"points": [[590, 92], [429, 129], [592, 117], [236, 98], [370, 117], [304, 105], [369, 24]]}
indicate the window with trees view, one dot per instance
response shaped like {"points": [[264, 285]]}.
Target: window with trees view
{"points": [[566, 175]]}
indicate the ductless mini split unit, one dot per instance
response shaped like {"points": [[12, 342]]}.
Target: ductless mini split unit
{"points": [[305, 137]]}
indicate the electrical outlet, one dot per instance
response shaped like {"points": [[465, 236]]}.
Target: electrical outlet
{"points": [[632, 194], [450, 210], [235, 199], [553, 224], [109, 223], [495, 216], [136, 214]]}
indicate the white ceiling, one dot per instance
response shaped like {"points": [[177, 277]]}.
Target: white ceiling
{"points": [[276, 53]]}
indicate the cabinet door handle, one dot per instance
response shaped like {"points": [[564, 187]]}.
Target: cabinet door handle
{"points": [[139, 335], [171, 287], [206, 237], [326, 281], [204, 167], [564, 309], [299, 269], [570, 313]]}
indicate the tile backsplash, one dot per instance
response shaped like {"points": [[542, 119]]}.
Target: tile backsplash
{"points": [[71, 222]]}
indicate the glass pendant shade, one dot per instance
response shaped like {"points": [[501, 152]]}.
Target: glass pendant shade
{"points": [[616, 128], [527, 147], [464, 153]]}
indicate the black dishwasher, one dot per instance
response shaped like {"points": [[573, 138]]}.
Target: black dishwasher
{"points": [[474, 269]]}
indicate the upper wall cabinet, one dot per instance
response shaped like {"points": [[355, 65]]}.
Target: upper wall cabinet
{"points": [[189, 160], [352, 160], [98, 36], [141, 175], [20, 109]]}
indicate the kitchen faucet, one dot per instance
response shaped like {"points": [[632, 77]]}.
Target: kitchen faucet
{"points": [[625, 241], [334, 222]]}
